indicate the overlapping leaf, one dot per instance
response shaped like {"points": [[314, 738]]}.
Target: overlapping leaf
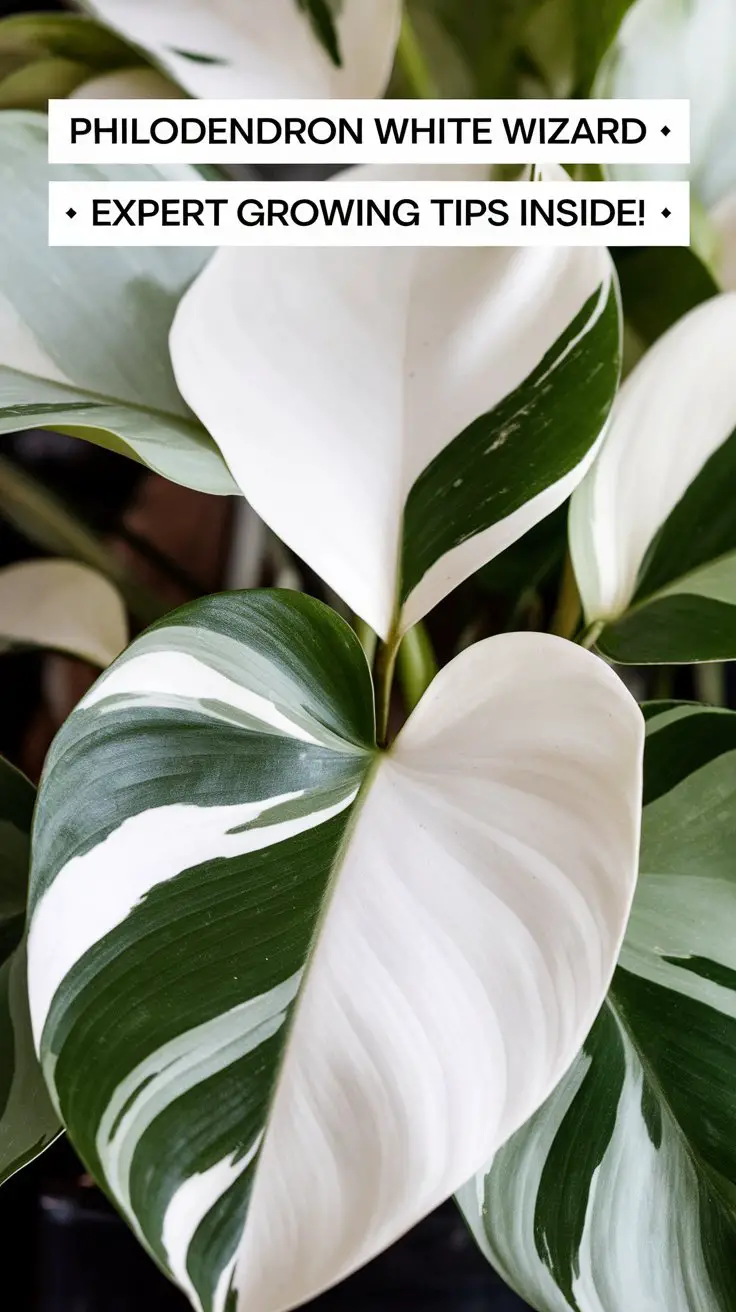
{"points": [[652, 529], [27, 1120], [620, 1193], [64, 606], [55, 55], [83, 333], [244, 48], [410, 413], [304, 988]]}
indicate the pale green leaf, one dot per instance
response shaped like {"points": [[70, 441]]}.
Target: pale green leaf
{"points": [[33, 85], [430, 406], [620, 1194], [652, 529], [681, 49], [83, 332], [290, 963], [63, 606]]}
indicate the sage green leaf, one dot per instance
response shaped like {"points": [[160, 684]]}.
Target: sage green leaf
{"points": [[27, 1121], [83, 332], [456, 398], [652, 529], [289, 960], [681, 49], [236, 49], [620, 1194]]}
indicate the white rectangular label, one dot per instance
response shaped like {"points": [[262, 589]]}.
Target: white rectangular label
{"points": [[369, 131], [369, 214]]}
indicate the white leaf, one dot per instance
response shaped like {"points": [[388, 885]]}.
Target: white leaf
{"points": [[469, 944], [260, 48], [332, 379], [128, 84], [64, 606], [682, 49], [675, 409]]}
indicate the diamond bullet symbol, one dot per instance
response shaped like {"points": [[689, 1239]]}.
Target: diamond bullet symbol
{"points": [[70, 214], [666, 212], [666, 131]]}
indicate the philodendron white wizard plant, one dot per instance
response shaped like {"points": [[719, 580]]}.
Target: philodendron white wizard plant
{"points": [[297, 971]]}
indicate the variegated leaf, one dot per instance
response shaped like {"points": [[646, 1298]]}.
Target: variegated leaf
{"points": [[275, 974], [248, 48], [652, 529], [620, 1194], [410, 413], [64, 606], [28, 1122], [83, 332]]}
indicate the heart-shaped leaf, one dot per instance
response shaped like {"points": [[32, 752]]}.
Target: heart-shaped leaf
{"points": [[303, 988], [83, 332], [248, 48], [652, 529], [681, 49], [619, 1194], [28, 1122], [64, 606], [399, 417]]}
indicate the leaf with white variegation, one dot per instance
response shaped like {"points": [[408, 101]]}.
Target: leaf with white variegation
{"points": [[305, 987], [681, 49], [64, 606], [410, 413], [83, 333], [652, 528], [248, 48], [28, 1122], [620, 1193]]}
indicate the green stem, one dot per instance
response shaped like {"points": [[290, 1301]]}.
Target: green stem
{"points": [[710, 683], [383, 678], [589, 637], [417, 665], [566, 618], [412, 63]]}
